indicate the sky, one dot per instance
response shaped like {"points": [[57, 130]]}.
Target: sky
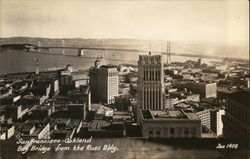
{"points": [[185, 20]]}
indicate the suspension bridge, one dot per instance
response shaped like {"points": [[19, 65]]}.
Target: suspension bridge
{"points": [[80, 51]]}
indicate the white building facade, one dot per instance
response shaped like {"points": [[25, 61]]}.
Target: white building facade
{"points": [[108, 83]]}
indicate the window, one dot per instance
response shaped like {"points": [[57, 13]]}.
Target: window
{"points": [[179, 132], [158, 131], [150, 132], [186, 131], [193, 131], [172, 131], [156, 74], [165, 131], [152, 75]]}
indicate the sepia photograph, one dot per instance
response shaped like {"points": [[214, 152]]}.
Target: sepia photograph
{"points": [[124, 79]]}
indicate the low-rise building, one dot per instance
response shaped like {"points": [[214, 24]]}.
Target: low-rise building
{"points": [[2, 116], [216, 120], [204, 115], [204, 89], [6, 131], [35, 129], [77, 111], [14, 111], [169, 124], [83, 95], [41, 112], [32, 100], [122, 102]]}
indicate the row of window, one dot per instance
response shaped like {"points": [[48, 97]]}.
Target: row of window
{"points": [[151, 62], [238, 123], [111, 100], [151, 75], [152, 99], [111, 74], [237, 112], [172, 132]]}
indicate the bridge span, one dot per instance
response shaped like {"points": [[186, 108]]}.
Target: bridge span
{"points": [[80, 51]]}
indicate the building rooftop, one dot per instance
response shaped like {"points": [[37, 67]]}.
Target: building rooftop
{"points": [[150, 55], [166, 115], [76, 104], [5, 126], [73, 123], [199, 109], [109, 66], [75, 92], [79, 75], [27, 126], [204, 83], [30, 97], [100, 107], [40, 107]]}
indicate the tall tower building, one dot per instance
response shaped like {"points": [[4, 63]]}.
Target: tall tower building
{"points": [[216, 120], [199, 62], [168, 52], [150, 82], [236, 121], [103, 82], [108, 83], [93, 81]]}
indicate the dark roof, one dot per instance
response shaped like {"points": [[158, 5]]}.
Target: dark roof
{"points": [[241, 97], [27, 126], [146, 114], [109, 66]]}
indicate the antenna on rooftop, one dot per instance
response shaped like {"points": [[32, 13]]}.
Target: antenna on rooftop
{"points": [[63, 45], [39, 46], [149, 47]]}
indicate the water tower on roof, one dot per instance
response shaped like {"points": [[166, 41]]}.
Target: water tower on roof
{"points": [[97, 63]]}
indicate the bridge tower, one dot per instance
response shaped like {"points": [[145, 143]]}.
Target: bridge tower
{"points": [[102, 49], [81, 52], [39, 46], [36, 65], [168, 52], [63, 45]]}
